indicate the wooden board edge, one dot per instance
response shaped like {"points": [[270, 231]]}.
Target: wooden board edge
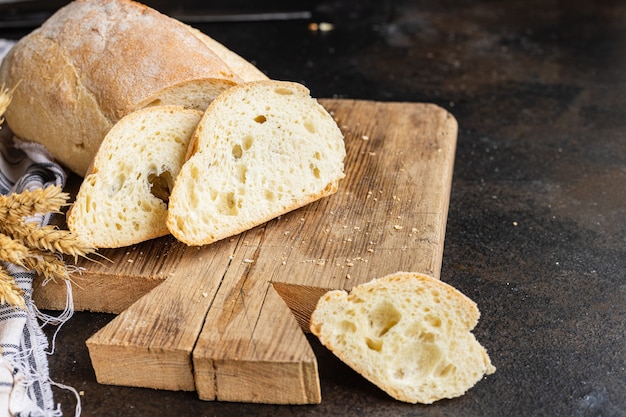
{"points": [[263, 368], [125, 366]]}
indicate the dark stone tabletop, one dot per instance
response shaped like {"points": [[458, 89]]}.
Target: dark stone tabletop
{"points": [[536, 232]]}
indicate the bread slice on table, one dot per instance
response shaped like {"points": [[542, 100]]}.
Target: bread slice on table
{"points": [[262, 149], [124, 197], [409, 334], [95, 61]]}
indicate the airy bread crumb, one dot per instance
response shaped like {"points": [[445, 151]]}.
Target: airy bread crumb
{"points": [[262, 149], [124, 197], [409, 334]]}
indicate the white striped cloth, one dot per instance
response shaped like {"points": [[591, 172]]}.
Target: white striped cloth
{"points": [[25, 385]]}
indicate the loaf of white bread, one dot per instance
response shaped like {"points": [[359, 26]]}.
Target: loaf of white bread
{"points": [[95, 61], [408, 333]]}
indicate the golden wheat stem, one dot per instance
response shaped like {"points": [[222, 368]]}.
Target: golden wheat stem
{"points": [[38, 248]]}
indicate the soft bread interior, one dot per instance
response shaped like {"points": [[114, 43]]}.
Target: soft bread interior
{"points": [[124, 199], [262, 149], [407, 333]]}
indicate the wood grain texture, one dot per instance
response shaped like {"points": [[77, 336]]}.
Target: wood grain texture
{"points": [[217, 319], [251, 347], [150, 343]]}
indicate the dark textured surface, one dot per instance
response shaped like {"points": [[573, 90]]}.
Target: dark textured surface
{"points": [[537, 225]]}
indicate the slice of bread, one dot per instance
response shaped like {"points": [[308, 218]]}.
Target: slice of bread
{"points": [[262, 149], [407, 333], [124, 196]]}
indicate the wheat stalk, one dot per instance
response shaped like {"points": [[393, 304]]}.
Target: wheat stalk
{"points": [[9, 291], [38, 248], [51, 239], [12, 251], [14, 207], [50, 266]]}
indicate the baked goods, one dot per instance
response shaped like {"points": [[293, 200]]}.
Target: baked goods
{"points": [[95, 61], [407, 333], [123, 199], [261, 149]]}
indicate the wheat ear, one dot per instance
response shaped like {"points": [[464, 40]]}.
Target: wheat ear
{"points": [[12, 251], [14, 207], [51, 239], [39, 248], [9, 291]]}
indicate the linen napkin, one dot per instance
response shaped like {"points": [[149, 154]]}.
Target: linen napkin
{"points": [[25, 384]]}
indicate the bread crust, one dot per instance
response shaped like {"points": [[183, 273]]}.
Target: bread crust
{"points": [[95, 61]]}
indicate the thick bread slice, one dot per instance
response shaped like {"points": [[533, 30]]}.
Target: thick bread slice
{"points": [[262, 149], [95, 61], [407, 333], [123, 199]]}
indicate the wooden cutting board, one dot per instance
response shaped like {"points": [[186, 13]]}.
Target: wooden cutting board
{"points": [[227, 319]]}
